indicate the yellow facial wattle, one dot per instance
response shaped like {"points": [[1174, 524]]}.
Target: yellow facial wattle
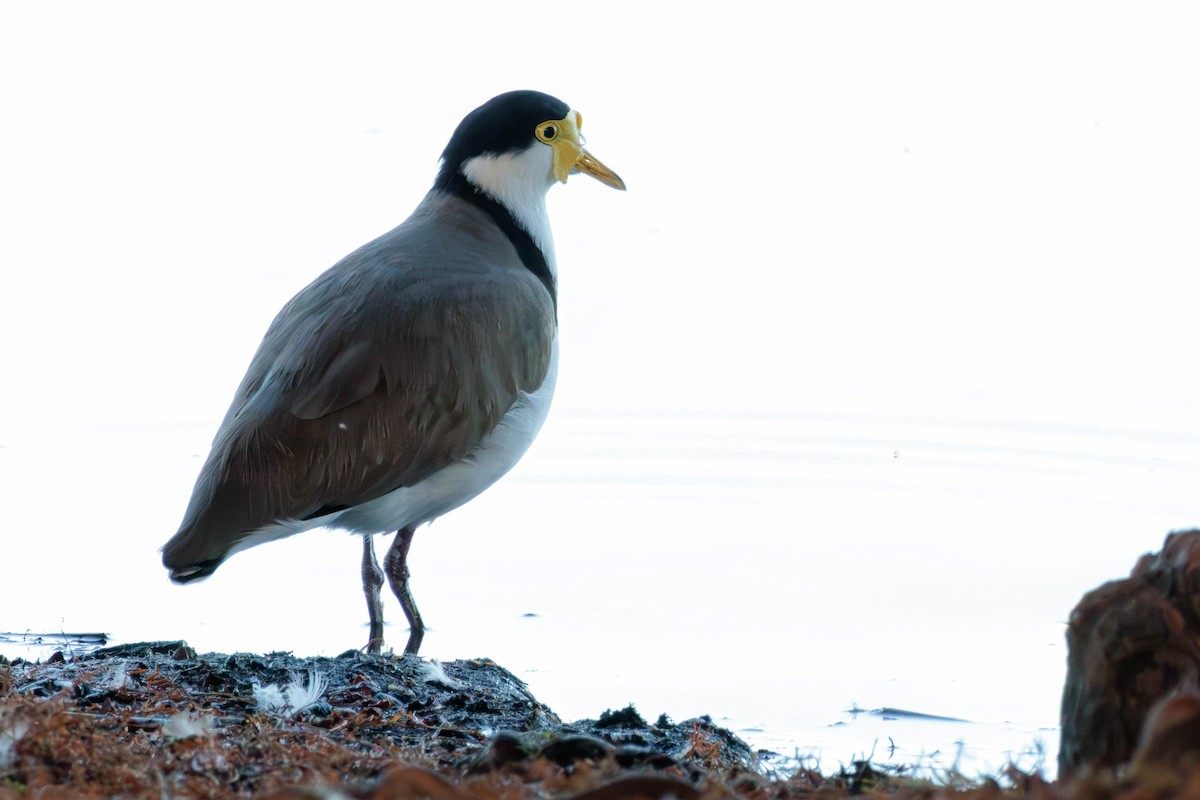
{"points": [[564, 138]]}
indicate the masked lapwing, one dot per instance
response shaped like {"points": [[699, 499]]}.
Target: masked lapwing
{"points": [[410, 376]]}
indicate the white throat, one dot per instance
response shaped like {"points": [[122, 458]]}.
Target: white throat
{"points": [[519, 182]]}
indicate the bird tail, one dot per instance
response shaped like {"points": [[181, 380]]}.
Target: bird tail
{"points": [[184, 566]]}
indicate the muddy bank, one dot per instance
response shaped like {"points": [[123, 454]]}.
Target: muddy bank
{"points": [[158, 718]]}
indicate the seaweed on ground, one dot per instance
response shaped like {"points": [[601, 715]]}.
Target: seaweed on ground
{"points": [[157, 720]]}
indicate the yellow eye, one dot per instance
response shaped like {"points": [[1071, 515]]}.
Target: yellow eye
{"points": [[547, 131]]}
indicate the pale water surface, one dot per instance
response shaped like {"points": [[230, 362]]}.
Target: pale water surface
{"points": [[776, 570]]}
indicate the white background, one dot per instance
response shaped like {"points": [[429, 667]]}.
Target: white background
{"points": [[887, 355]]}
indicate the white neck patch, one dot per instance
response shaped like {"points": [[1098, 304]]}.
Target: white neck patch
{"points": [[519, 181]]}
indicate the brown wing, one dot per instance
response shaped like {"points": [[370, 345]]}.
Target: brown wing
{"points": [[389, 367]]}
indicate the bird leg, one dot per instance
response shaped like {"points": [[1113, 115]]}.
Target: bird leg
{"points": [[395, 566], [372, 578]]}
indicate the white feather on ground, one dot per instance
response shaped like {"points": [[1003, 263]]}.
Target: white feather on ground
{"points": [[188, 725], [12, 728], [287, 701], [432, 671]]}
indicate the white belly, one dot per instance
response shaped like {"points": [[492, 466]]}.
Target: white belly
{"points": [[443, 491], [447, 490]]}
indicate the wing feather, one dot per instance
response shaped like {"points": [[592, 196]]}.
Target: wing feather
{"points": [[391, 366]]}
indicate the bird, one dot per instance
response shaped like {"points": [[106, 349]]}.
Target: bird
{"points": [[410, 376]]}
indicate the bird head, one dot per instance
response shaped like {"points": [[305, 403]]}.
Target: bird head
{"points": [[521, 136]]}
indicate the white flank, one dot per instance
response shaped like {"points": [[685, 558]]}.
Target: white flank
{"points": [[443, 491], [447, 490]]}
